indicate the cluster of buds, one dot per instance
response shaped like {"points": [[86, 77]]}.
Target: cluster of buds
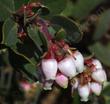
{"points": [[64, 65]]}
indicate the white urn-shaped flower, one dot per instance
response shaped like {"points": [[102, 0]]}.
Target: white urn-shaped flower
{"points": [[49, 67], [67, 67]]}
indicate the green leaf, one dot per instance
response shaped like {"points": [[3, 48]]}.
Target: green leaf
{"points": [[102, 25], [22, 65], [102, 52], [60, 34], [6, 8], [81, 8], [55, 6], [31, 71], [44, 41], [34, 35], [10, 33], [71, 28], [25, 49], [38, 38]]}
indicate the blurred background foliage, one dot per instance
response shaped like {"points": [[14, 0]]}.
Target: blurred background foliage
{"points": [[85, 24]]}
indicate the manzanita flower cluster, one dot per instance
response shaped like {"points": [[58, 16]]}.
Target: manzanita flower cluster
{"points": [[91, 80], [61, 64], [66, 66]]}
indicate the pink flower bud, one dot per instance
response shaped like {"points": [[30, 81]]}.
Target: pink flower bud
{"points": [[49, 67], [67, 67], [84, 92], [96, 88], [97, 64], [79, 61], [48, 85], [25, 85], [99, 76], [62, 80]]}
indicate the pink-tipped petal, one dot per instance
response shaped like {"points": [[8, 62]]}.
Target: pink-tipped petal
{"points": [[67, 67], [49, 67], [62, 80], [99, 76], [96, 88]]}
